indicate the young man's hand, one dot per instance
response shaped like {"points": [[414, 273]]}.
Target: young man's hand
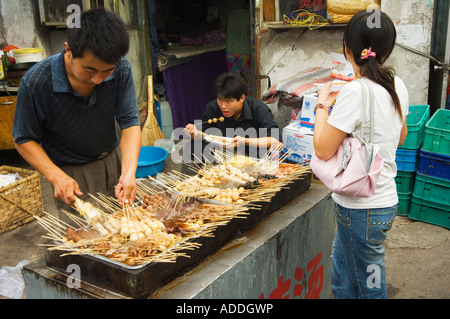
{"points": [[192, 130]]}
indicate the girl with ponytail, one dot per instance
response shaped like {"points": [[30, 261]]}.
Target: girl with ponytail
{"points": [[358, 269]]}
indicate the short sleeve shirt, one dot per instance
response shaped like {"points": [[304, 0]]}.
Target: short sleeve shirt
{"points": [[73, 129], [256, 121], [347, 116]]}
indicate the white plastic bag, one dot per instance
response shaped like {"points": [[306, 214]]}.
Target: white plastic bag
{"points": [[11, 281], [341, 69], [6, 179], [166, 144]]}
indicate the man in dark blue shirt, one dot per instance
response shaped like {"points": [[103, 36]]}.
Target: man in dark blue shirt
{"points": [[67, 105]]}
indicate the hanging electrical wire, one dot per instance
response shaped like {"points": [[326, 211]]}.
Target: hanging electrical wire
{"points": [[305, 18]]}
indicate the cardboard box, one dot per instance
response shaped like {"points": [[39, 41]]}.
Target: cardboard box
{"points": [[299, 141], [307, 116]]}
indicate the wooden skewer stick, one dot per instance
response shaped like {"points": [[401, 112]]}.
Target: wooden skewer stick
{"points": [[210, 121], [162, 249]]}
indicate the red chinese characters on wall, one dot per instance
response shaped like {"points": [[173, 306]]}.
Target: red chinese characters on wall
{"points": [[314, 283], [314, 6], [309, 3]]}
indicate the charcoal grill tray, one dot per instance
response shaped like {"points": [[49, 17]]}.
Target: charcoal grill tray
{"points": [[142, 282]]}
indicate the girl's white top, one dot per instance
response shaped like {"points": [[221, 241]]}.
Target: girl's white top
{"points": [[347, 116]]}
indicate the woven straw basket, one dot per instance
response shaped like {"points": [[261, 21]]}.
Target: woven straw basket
{"points": [[349, 7], [21, 200], [340, 18]]}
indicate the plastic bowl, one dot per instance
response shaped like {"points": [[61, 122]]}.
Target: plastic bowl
{"points": [[151, 161], [28, 55]]}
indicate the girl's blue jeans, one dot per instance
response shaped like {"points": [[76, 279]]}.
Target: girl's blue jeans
{"points": [[358, 269]]}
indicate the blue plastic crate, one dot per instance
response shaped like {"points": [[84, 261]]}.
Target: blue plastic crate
{"points": [[434, 164], [407, 160]]}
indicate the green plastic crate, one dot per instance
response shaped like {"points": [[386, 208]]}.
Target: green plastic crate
{"points": [[428, 212], [433, 189], [416, 119], [405, 181], [404, 203], [437, 133]]}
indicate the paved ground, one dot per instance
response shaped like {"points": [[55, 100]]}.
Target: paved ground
{"points": [[417, 259], [417, 254]]}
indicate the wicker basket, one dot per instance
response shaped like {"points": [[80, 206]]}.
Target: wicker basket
{"points": [[349, 7], [340, 18], [21, 200]]}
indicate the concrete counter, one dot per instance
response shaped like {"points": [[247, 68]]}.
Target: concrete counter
{"points": [[286, 255]]}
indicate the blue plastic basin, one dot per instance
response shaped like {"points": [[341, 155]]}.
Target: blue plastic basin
{"points": [[151, 161]]}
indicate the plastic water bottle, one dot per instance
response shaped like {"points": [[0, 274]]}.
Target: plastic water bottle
{"points": [[5, 63], [2, 70], [158, 113], [166, 118]]}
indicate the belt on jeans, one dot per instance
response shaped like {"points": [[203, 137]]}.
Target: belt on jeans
{"points": [[102, 155]]}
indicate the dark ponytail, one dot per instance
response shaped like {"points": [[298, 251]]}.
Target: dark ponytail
{"points": [[375, 30]]}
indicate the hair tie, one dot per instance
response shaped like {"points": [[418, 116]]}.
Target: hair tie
{"points": [[366, 53]]}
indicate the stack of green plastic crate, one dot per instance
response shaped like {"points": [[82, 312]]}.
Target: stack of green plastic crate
{"points": [[431, 196], [407, 157]]}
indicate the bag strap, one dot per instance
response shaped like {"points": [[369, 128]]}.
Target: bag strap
{"points": [[367, 98], [372, 111]]}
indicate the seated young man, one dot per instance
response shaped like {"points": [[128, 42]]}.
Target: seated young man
{"points": [[248, 121]]}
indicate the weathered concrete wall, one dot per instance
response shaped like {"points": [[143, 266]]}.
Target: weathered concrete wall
{"points": [[413, 20], [20, 26], [311, 50]]}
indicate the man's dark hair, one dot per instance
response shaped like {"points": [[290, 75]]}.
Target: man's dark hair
{"points": [[230, 85], [101, 32]]}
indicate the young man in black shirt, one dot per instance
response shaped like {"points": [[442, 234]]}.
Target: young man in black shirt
{"points": [[248, 121]]}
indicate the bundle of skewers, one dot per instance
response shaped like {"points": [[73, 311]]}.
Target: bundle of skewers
{"points": [[235, 179], [171, 211], [133, 235]]}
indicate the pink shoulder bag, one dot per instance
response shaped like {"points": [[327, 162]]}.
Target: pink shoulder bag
{"points": [[355, 167]]}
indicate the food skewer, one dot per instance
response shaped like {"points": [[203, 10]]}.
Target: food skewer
{"points": [[213, 120], [210, 121], [138, 235]]}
